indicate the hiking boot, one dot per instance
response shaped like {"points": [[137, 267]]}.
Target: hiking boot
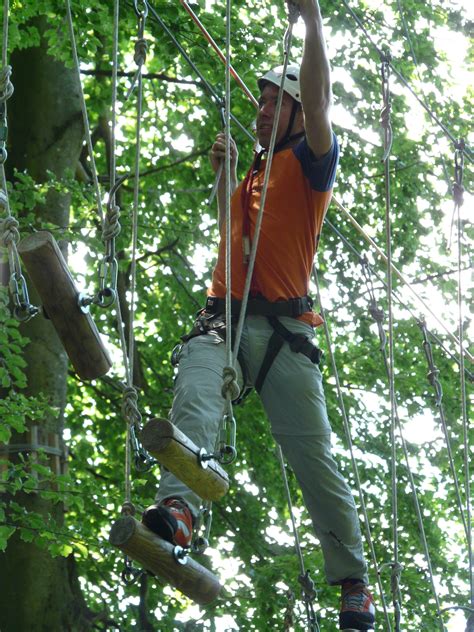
{"points": [[357, 607], [172, 520]]}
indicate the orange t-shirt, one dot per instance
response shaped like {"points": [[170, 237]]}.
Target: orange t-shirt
{"points": [[298, 195]]}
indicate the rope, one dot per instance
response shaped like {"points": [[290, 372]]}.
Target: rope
{"points": [[205, 84], [221, 55], [399, 275], [432, 375], [458, 191], [266, 179], [307, 584], [347, 432], [390, 365], [230, 386], [90, 148], [378, 315], [431, 114], [111, 228], [362, 259], [23, 310]]}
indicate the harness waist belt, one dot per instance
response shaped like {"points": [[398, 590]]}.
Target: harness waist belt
{"points": [[259, 306]]}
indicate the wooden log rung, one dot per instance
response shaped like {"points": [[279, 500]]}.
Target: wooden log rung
{"points": [[181, 456], [50, 275], [163, 560]]}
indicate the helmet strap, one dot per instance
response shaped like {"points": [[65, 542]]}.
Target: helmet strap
{"points": [[288, 137]]}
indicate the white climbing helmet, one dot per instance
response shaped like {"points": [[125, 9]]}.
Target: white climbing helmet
{"points": [[291, 84]]}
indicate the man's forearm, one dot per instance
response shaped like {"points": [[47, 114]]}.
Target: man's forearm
{"points": [[315, 78], [315, 71]]}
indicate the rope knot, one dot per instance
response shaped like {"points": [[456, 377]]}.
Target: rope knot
{"points": [[395, 577], [128, 508], [141, 49], [130, 405], [111, 228], [376, 312], [308, 586], [458, 194], [385, 116], [8, 226], [6, 86], [230, 388]]}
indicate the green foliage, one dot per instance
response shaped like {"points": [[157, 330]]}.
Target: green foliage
{"points": [[177, 245]]}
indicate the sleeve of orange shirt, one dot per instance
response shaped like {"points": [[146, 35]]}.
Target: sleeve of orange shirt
{"points": [[320, 172]]}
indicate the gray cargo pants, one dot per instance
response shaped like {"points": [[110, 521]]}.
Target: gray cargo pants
{"points": [[293, 398]]}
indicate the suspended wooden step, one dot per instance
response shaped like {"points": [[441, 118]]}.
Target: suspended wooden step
{"points": [[183, 458], [50, 275], [163, 559]]}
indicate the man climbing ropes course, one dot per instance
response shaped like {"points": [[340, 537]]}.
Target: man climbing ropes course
{"points": [[276, 354]]}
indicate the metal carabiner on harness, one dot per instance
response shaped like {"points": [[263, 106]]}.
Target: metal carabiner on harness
{"points": [[226, 451]]}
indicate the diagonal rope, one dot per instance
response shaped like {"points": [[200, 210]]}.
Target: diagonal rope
{"points": [[266, 179], [433, 380], [431, 114], [347, 432], [362, 259], [400, 276], [205, 84], [85, 116]]}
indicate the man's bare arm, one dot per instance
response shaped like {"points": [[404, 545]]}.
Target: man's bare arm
{"points": [[315, 78]]}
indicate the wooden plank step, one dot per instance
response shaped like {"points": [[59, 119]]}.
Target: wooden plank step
{"points": [[50, 275], [181, 456], [158, 556]]}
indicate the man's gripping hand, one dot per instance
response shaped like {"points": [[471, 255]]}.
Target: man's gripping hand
{"points": [[309, 9], [217, 153]]}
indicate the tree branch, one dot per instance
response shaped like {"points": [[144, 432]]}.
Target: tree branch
{"points": [[151, 75]]}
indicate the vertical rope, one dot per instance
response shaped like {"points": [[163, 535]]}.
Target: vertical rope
{"points": [[347, 432], [228, 219], [307, 584], [387, 130], [9, 234], [6, 15], [458, 195]]}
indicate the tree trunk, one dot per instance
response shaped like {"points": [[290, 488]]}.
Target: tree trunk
{"points": [[37, 591]]}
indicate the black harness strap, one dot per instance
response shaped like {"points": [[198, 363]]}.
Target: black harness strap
{"points": [[259, 306], [299, 343]]}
